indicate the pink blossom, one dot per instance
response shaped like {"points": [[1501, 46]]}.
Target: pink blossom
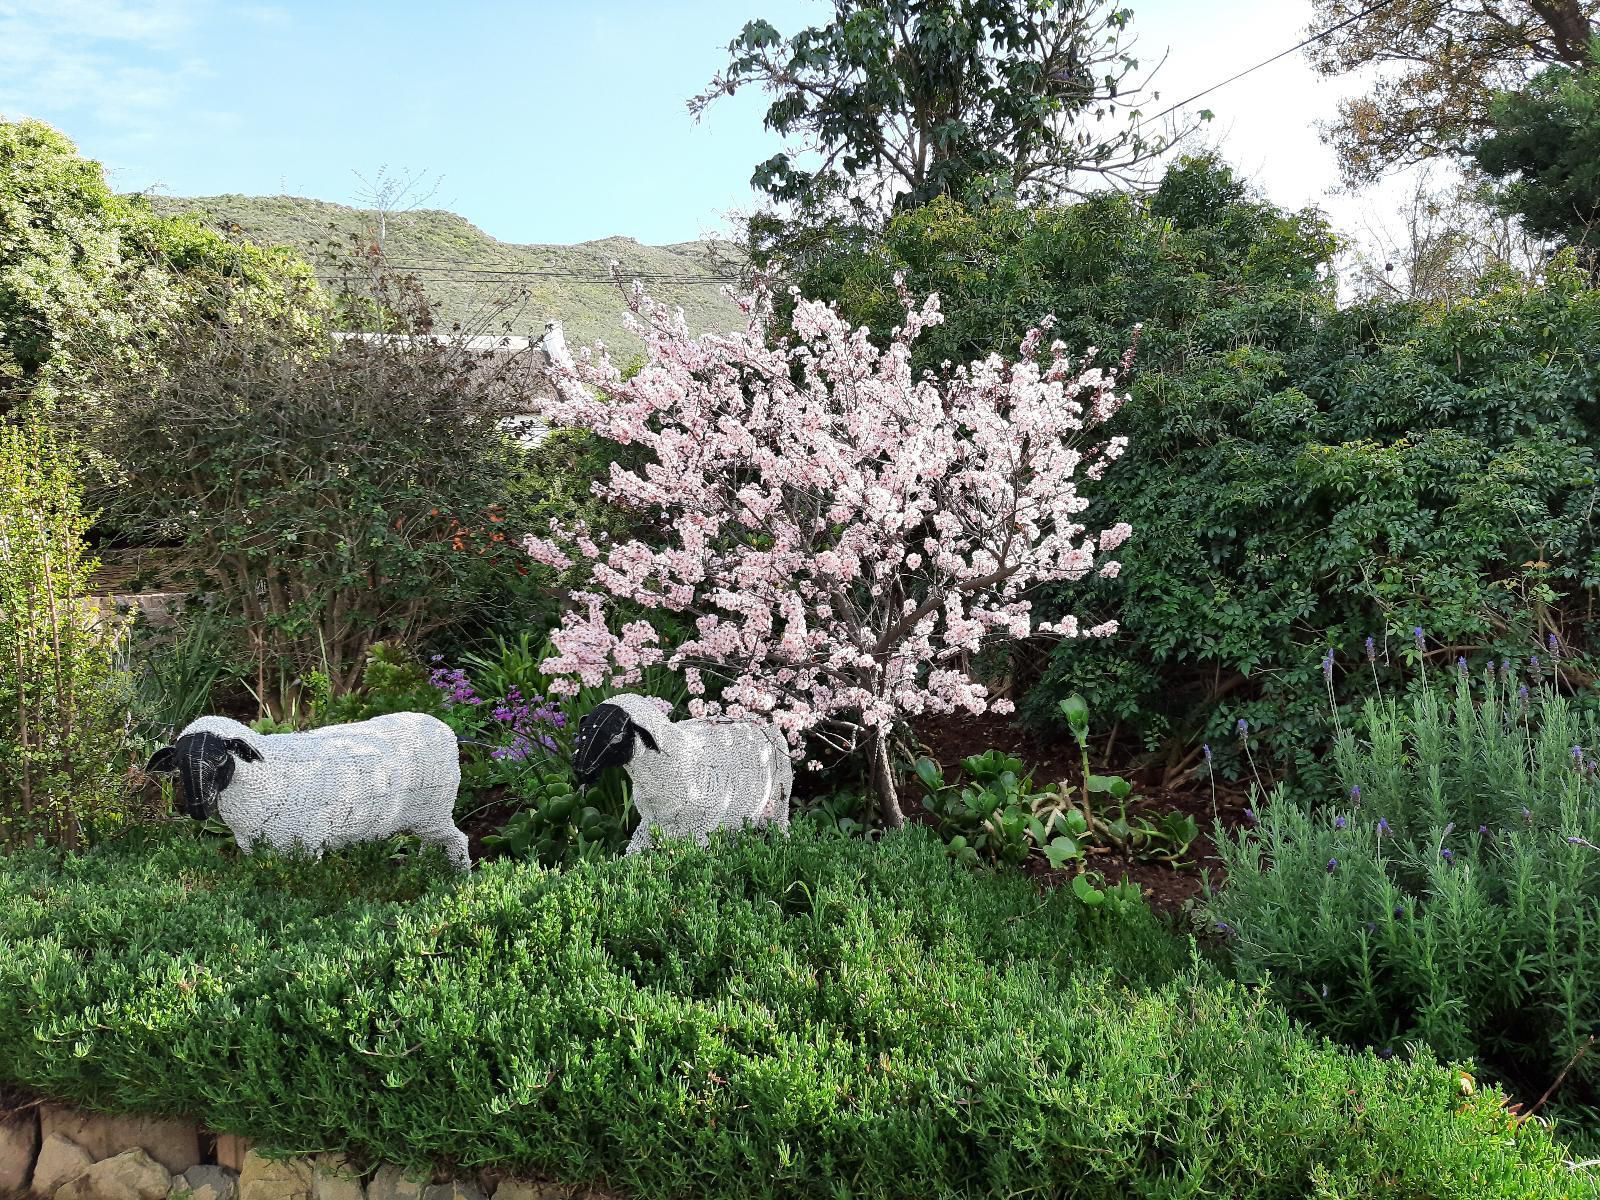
{"points": [[841, 535]]}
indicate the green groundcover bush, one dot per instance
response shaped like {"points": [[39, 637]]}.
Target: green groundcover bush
{"points": [[811, 1017]]}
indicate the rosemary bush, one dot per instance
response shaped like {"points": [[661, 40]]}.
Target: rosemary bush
{"points": [[1450, 895], [63, 708], [802, 1016]]}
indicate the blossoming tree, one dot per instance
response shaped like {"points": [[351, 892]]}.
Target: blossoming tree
{"points": [[843, 536]]}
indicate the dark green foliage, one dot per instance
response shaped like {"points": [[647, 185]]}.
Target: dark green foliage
{"points": [[802, 1017], [1467, 918], [1298, 475], [86, 276], [1544, 145]]}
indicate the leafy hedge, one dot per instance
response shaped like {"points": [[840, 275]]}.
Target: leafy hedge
{"points": [[816, 1017]]}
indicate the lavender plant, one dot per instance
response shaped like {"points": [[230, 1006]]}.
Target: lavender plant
{"points": [[1450, 892]]}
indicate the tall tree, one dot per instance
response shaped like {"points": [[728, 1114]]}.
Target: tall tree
{"points": [[1440, 63], [1545, 147], [894, 102]]}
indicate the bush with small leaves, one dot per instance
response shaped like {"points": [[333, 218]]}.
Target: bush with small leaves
{"points": [[799, 1016], [1449, 894]]}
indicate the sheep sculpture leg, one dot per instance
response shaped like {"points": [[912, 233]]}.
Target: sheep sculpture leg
{"points": [[451, 840]]}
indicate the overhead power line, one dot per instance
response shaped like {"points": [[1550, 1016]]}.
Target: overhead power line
{"points": [[1266, 62]]}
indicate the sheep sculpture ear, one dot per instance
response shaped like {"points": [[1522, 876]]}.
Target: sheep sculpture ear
{"points": [[242, 749], [163, 762], [644, 736]]}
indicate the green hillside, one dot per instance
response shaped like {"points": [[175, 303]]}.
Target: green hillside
{"points": [[467, 273]]}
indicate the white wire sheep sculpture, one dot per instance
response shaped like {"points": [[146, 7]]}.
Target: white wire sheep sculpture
{"points": [[323, 788], [689, 777]]}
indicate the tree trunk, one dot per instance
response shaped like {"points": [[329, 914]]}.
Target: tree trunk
{"points": [[883, 781]]}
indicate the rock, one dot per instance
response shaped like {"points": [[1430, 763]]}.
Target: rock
{"points": [[206, 1183], [523, 1189], [456, 1189], [274, 1179], [19, 1143], [61, 1160], [231, 1149], [131, 1175], [173, 1144], [333, 1178], [390, 1184]]}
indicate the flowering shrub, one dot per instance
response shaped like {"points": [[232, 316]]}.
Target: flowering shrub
{"points": [[844, 535], [1449, 894]]}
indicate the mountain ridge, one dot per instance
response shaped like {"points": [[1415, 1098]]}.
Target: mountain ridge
{"points": [[469, 275]]}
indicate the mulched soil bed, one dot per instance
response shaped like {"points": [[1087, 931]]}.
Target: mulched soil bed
{"points": [[1053, 758]]}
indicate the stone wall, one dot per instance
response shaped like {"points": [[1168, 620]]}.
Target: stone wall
{"points": [[53, 1152]]}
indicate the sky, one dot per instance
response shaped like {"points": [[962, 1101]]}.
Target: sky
{"points": [[543, 121]]}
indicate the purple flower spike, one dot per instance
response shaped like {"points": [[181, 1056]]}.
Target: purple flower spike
{"points": [[1482, 830], [1400, 913], [1223, 927], [1333, 865], [1338, 822], [1327, 666], [1522, 693], [1207, 749], [1533, 663], [1250, 815], [1355, 792], [1447, 854], [1383, 824], [1577, 755], [1372, 650], [1574, 841], [1461, 664], [1417, 634], [1553, 644], [1243, 727]]}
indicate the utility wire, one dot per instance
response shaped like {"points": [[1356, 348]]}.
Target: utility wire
{"points": [[1315, 37], [442, 269]]}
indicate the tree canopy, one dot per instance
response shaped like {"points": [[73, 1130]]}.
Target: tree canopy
{"points": [[1545, 146], [894, 102], [1440, 62]]}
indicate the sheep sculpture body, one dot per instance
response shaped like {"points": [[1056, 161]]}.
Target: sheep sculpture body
{"points": [[323, 788], [689, 777]]}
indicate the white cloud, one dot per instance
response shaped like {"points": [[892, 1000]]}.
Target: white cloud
{"points": [[125, 64]]}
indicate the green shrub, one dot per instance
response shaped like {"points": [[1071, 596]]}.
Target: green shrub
{"points": [[809, 1016], [63, 707], [1444, 899], [329, 493]]}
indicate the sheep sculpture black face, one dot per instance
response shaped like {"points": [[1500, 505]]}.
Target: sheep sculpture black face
{"points": [[204, 762], [606, 737]]}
